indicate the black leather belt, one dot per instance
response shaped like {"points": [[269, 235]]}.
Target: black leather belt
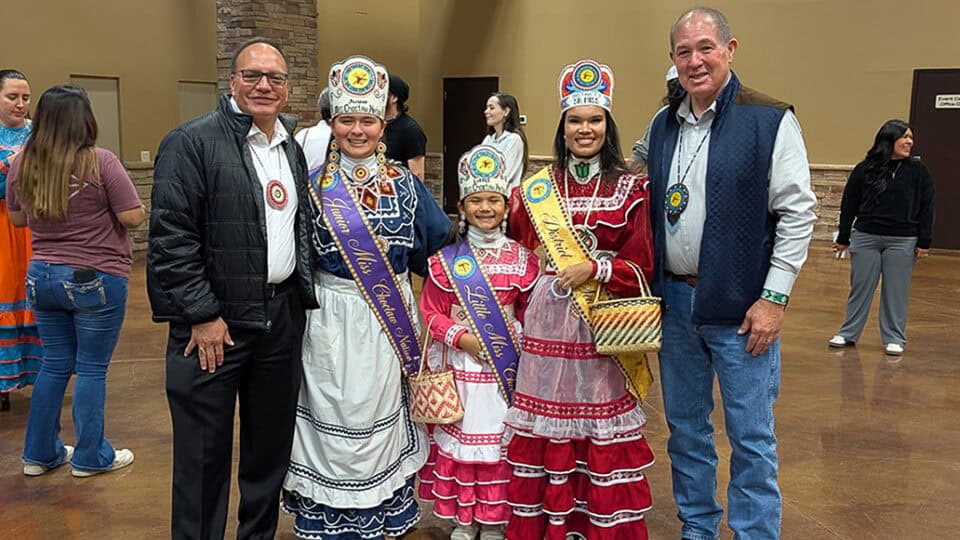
{"points": [[275, 289]]}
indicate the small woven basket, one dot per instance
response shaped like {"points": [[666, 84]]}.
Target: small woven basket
{"points": [[626, 325], [433, 394]]}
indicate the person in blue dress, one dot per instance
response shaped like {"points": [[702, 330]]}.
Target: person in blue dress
{"points": [[20, 348], [355, 449]]}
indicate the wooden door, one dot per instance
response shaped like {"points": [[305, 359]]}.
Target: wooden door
{"points": [[464, 126], [934, 116]]}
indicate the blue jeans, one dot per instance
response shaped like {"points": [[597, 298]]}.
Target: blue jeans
{"points": [[79, 324], [749, 386]]}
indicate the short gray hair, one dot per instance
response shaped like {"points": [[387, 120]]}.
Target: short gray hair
{"points": [[715, 15]]}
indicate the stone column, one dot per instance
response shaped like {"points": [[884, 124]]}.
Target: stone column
{"points": [[290, 23]]}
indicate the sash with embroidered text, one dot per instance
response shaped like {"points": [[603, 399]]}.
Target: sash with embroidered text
{"points": [[367, 261], [485, 315], [550, 219]]}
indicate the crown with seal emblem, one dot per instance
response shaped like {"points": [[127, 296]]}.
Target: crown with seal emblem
{"points": [[482, 169], [358, 85], [586, 83]]}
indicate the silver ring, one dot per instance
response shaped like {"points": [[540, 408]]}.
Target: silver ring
{"points": [[553, 290]]}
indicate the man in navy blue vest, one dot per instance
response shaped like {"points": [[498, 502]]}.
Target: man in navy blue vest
{"points": [[732, 218]]}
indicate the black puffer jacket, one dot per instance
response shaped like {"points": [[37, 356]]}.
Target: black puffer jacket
{"points": [[207, 255]]}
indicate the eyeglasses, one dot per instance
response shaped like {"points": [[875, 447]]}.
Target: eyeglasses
{"points": [[252, 76]]}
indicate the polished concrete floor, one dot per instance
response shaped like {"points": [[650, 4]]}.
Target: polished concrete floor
{"points": [[868, 443]]}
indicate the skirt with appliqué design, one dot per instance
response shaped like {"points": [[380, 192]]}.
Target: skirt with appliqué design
{"points": [[355, 449], [467, 474], [574, 434]]}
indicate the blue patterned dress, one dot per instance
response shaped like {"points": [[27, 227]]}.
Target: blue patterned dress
{"points": [[355, 449], [20, 348]]}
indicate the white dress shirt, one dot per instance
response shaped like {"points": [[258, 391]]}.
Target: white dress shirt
{"points": [[270, 162], [315, 141], [790, 199]]}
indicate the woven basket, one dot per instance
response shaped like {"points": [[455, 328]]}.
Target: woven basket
{"points": [[625, 325], [433, 394]]}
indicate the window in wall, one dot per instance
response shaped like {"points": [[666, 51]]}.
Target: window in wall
{"points": [[196, 99], [104, 93]]}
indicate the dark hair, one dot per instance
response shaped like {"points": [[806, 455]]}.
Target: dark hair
{"points": [[11, 74], [512, 123], [323, 104], [401, 90], [611, 159], [250, 42], [877, 162], [675, 93], [719, 21]]}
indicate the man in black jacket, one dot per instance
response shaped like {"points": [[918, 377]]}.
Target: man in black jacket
{"points": [[228, 268]]}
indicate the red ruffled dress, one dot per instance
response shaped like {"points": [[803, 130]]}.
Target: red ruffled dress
{"points": [[466, 475], [574, 433]]}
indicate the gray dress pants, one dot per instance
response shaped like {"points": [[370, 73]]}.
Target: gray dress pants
{"points": [[873, 256]]}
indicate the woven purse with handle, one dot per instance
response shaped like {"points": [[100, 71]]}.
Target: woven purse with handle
{"points": [[622, 325], [433, 394]]}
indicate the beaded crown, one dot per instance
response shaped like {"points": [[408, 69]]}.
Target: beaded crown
{"points": [[482, 169], [358, 85], [586, 83]]}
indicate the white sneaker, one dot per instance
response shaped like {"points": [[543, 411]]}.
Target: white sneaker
{"points": [[464, 533], [33, 469], [839, 341], [894, 349], [122, 459], [494, 533]]}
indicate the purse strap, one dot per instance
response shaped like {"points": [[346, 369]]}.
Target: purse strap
{"points": [[644, 286], [426, 339]]}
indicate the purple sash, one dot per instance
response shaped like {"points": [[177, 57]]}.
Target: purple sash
{"points": [[368, 264], [484, 313]]}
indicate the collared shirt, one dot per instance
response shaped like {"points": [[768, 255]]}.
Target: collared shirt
{"points": [[270, 162], [315, 141], [790, 198]]}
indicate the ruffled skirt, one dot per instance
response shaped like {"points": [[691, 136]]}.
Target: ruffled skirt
{"points": [[466, 474], [21, 351], [574, 434], [355, 449]]}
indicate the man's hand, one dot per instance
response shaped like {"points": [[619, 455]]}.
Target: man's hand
{"points": [[920, 253], [764, 321], [208, 338], [838, 249], [471, 345], [575, 275]]}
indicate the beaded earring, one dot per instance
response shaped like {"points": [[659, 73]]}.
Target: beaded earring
{"points": [[381, 158], [333, 158], [463, 224]]}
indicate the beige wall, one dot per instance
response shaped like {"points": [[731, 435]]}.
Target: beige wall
{"points": [[149, 45], [846, 65], [384, 30]]}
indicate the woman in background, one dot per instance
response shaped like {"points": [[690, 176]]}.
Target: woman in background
{"points": [[505, 133], [886, 221], [20, 349], [78, 202]]}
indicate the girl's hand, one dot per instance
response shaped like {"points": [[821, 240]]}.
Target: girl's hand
{"points": [[471, 345], [573, 276]]}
